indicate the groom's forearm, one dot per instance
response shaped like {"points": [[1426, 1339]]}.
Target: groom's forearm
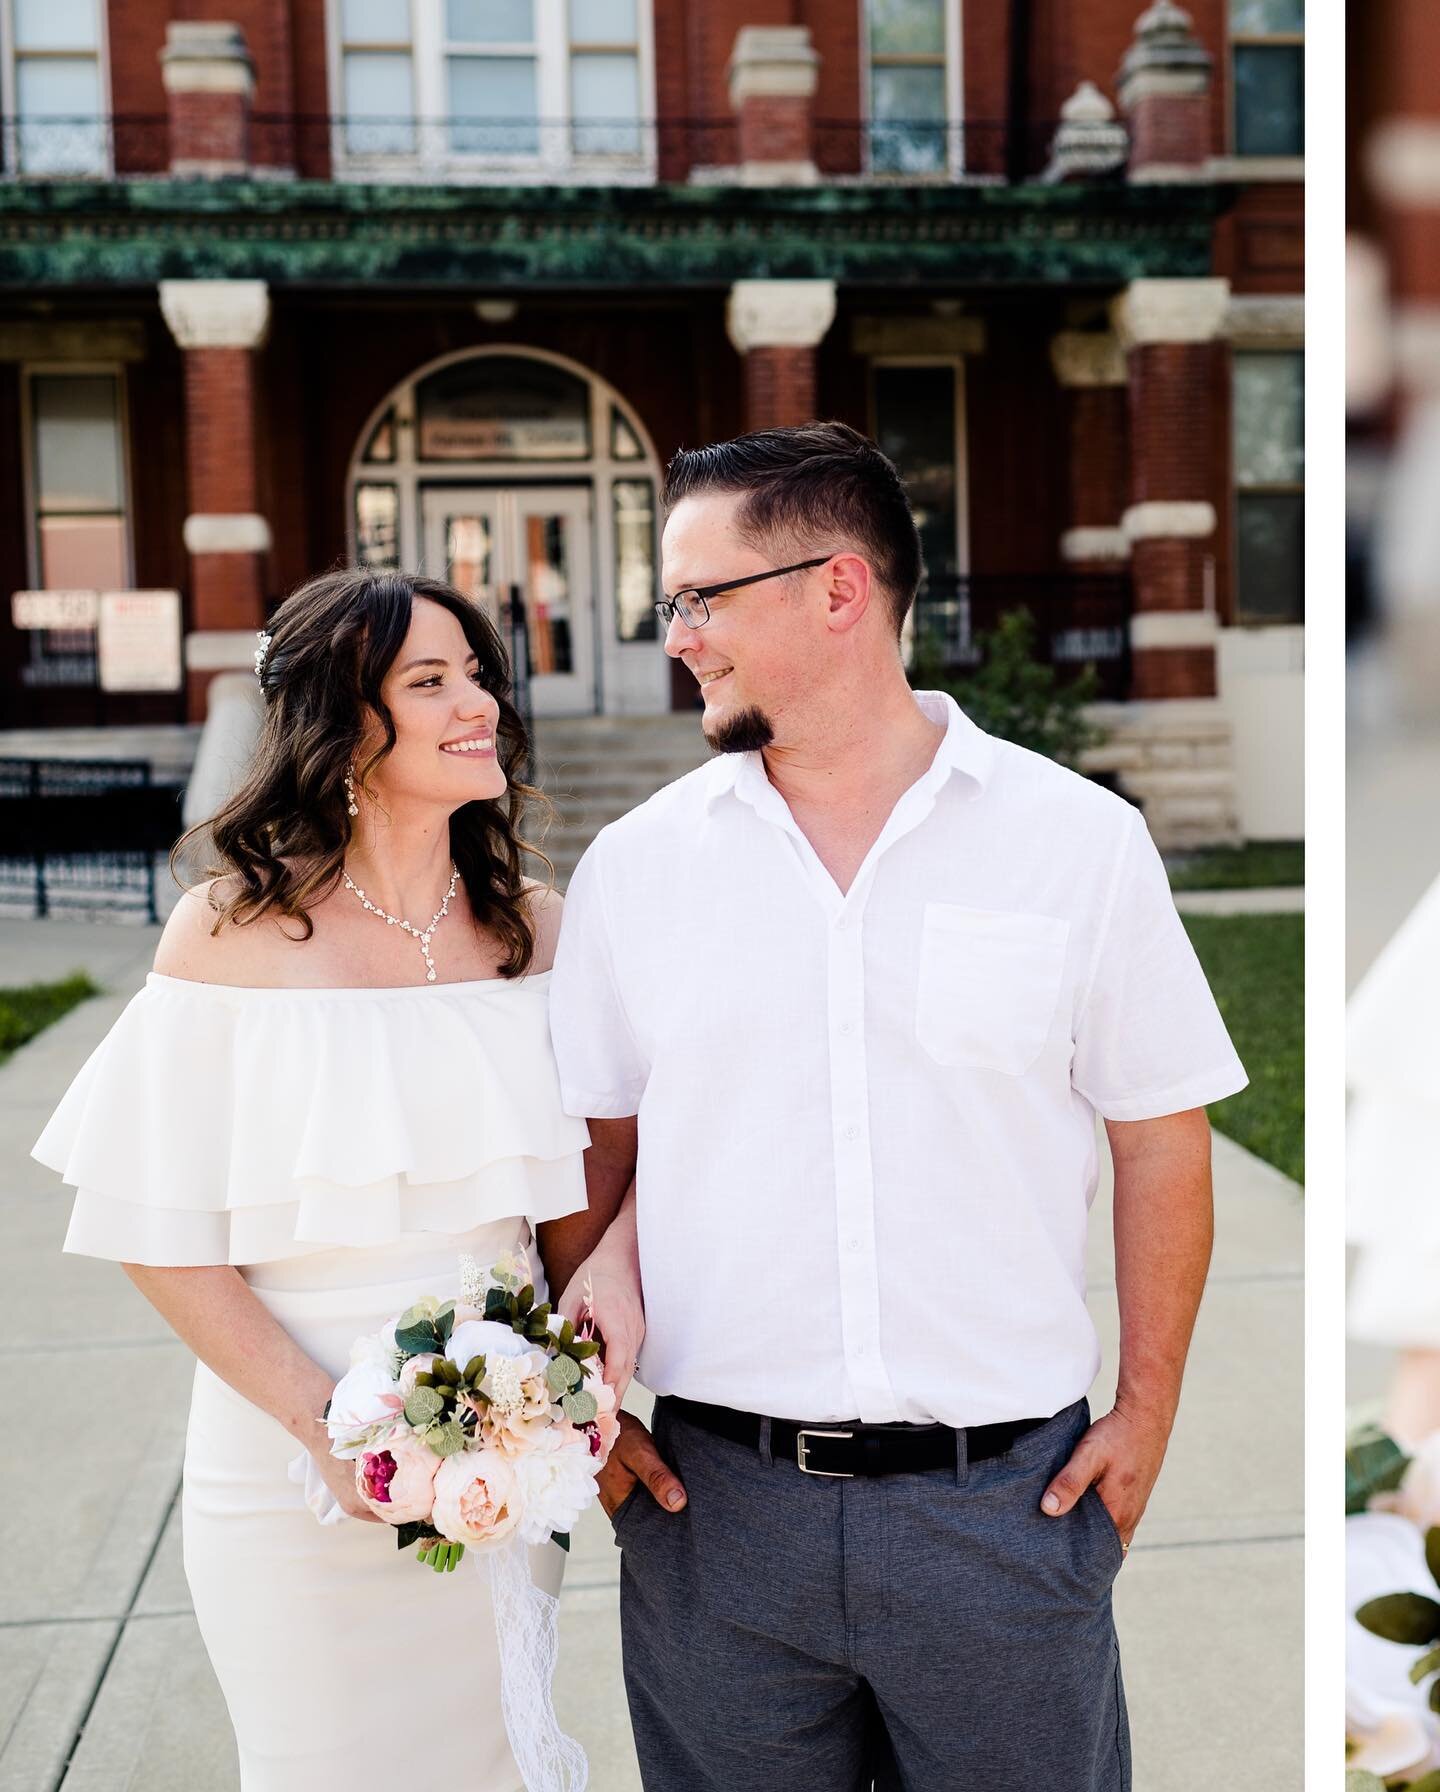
{"points": [[1164, 1229], [609, 1172]]}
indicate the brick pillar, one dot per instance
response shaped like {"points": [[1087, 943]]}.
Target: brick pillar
{"points": [[776, 325], [210, 83], [1090, 365], [1166, 328], [772, 72], [1164, 88], [220, 324]]}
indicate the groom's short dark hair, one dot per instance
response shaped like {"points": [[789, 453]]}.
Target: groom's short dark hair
{"points": [[820, 486]]}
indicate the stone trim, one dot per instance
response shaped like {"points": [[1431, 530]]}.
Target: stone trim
{"points": [[777, 174], [779, 313], [240, 533], [1169, 311], [1158, 520], [1094, 543], [221, 650], [772, 62], [1268, 320], [1174, 628], [917, 335], [1087, 358], [1402, 158], [1256, 168], [120, 341], [204, 57], [216, 313]]}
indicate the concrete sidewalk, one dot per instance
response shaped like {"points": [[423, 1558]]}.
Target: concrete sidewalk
{"points": [[104, 1685]]}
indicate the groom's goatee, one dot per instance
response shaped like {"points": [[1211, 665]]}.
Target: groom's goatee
{"points": [[746, 732]]}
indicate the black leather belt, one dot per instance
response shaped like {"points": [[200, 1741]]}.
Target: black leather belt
{"points": [[851, 1449]]}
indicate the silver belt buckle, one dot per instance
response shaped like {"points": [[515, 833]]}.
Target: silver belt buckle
{"points": [[834, 1474]]}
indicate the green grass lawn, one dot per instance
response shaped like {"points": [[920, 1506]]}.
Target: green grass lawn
{"points": [[28, 1011], [1259, 864], [1256, 965]]}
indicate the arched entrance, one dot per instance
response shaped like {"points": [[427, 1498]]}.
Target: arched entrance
{"points": [[512, 470]]}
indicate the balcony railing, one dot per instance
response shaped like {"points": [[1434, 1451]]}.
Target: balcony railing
{"points": [[1080, 619], [579, 149]]}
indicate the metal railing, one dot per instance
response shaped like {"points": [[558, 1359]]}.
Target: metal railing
{"points": [[584, 149], [1080, 619]]}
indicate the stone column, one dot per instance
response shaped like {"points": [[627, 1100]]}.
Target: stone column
{"points": [[1090, 365], [772, 73], [776, 326], [1164, 89], [1167, 328], [210, 83], [220, 324]]}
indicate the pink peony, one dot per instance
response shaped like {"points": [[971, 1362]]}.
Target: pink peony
{"points": [[397, 1480], [607, 1423], [477, 1500], [412, 1367]]}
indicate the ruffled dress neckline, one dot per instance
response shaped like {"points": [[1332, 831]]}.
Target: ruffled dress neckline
{"points": [[224, 1123]]}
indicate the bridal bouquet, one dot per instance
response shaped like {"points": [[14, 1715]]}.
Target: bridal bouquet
{"points": [[476, 1421], [1392, 1502]]}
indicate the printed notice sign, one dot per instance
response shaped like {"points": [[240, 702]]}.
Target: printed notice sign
{"points": [[139, 641]]}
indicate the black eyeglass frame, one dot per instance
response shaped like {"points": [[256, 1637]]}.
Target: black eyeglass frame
{"points": [[665, 607]]}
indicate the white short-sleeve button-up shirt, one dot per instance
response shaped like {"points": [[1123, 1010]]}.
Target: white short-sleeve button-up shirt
{"points": [[867, 1121]]}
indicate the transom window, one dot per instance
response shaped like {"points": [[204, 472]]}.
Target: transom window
{"points": [[1268, 447], [1267, 69], [520, 85], [53, 86]]}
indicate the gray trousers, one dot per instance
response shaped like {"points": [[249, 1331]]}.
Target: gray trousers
{"points": [[931, 1632]]}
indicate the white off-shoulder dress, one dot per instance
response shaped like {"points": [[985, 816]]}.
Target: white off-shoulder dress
{"points": [[341, 1148], [1393, 1137]]}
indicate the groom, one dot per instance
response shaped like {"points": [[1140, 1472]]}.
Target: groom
{"points": [[855, 990]]}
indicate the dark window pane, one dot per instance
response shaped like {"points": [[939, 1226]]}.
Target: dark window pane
{"points": [[1269, 418], [1269, 109], [907, 120], [1270, 554], [1260, 18], [915, 426]]}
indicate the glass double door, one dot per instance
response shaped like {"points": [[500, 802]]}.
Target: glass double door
{"points": [[496, 543]]}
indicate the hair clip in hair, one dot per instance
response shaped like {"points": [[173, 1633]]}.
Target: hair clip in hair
{"points": [[261, 650]]}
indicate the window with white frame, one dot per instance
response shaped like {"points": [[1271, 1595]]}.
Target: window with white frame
{"points": [[1267, 77], [79, 507], [915, 410], [54, 86], [1268, 449], [494, 83], [909, 100]]}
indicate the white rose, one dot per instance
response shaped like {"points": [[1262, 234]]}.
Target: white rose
{"points": [[483, 1337], [378, 1347], [556, 1479], [366, 1396]]}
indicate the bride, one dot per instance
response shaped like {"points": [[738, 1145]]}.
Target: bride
{"points": [[337, 1079]]}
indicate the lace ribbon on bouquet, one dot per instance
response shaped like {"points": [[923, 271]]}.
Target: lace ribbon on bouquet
{"points": [[526, 1627]]}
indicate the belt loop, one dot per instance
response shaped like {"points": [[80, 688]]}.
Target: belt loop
{"points": [[766, 1460], [962, 1456]]}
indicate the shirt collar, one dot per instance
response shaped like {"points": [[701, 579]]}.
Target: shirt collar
{"points": [[966, 749]]}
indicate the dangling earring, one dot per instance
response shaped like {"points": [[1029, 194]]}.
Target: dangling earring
{"points": [[350, 793]]}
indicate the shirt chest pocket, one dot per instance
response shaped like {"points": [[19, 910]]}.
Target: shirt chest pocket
{"points": [[989, 983]]}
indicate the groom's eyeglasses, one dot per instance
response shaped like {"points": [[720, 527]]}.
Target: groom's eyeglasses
{"points": [[692, 608]]}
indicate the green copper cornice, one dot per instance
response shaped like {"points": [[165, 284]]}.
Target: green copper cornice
{"points": [[311, 233]]}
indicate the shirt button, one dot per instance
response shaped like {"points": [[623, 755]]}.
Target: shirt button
{"points": [[854, 1244], [845, 1026], [852, 1133], [842, 923]]}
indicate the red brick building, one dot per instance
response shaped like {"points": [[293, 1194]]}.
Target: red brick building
{"points": [[445, 282]]}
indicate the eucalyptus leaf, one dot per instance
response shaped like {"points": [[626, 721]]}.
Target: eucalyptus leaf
{"points": [[475, 1370], [582, 1348], [1432, 1552], [1359, 1779], [1401, 1618], [579, 1408], [423, 1405], [1427, 1664], [1374, 1463], [567, 1335], [420, 1339], [445, 1321], [495, 1307], [561, 1376], [525, 1299], [445, 1440]]}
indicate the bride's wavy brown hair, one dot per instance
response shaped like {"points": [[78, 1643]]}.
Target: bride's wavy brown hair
{"points": [[280, 840]]}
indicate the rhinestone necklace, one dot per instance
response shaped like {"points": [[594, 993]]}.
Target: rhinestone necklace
{"points": [[420, 933]]}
